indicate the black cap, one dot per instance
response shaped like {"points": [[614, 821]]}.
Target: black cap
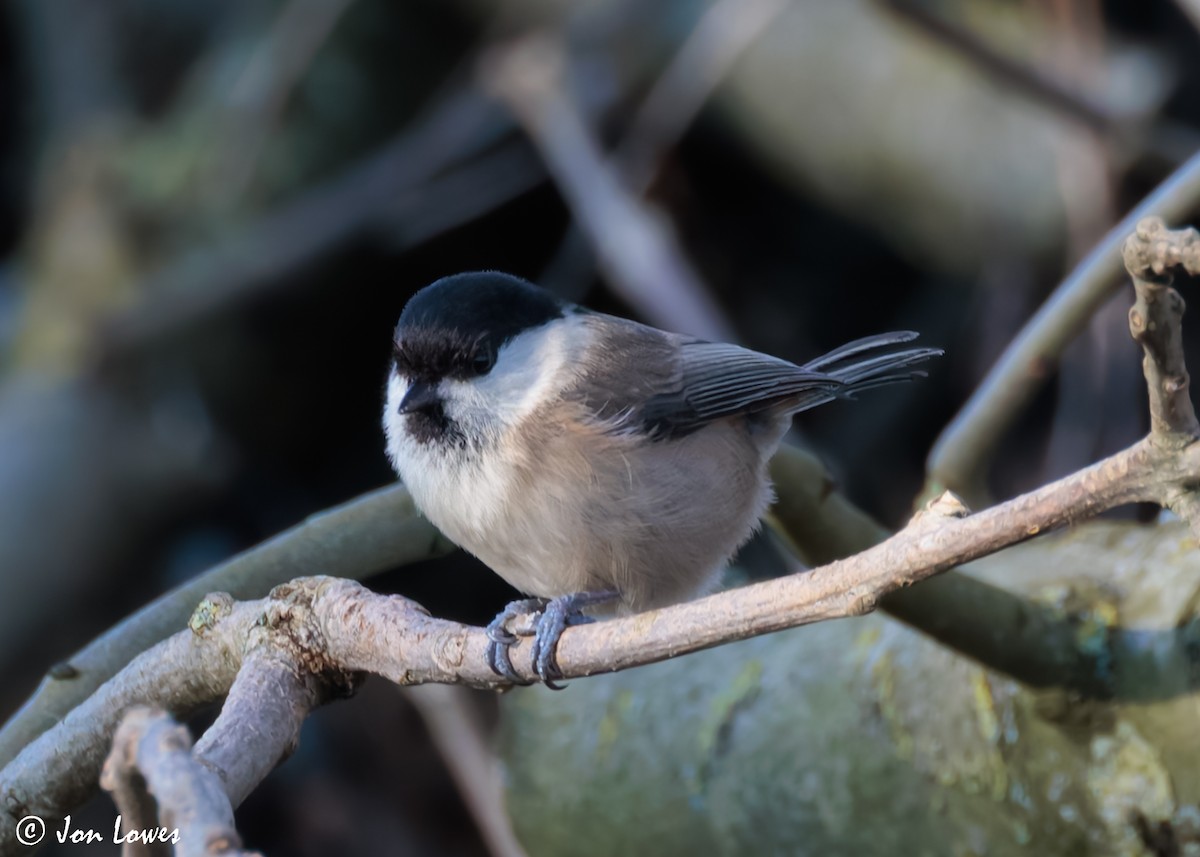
{"points": [[455, 326]]}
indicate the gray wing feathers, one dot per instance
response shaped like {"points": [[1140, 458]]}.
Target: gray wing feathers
{"points": [[721, 380], [670, 386]]}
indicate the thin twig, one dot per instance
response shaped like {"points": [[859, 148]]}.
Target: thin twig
{"points": [[127, 785], [1012, 635], [1151, 254], [964, 449], [396, 640]]}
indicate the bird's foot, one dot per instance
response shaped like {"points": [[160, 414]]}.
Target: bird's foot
{"points": [[500, 638], [557, 616]]}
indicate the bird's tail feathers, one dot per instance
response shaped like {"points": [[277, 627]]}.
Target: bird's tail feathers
{"points": [[865, 364]]}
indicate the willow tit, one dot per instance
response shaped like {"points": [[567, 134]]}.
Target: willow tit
{"points": [[588, 459]]}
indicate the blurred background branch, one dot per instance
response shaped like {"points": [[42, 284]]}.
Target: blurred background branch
{"points": [[635, 243]]}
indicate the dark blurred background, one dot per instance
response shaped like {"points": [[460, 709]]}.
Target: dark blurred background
{"points": [[211, 215]]}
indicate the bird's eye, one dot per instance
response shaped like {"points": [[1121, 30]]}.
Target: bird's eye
{"points": [[483, 361]]}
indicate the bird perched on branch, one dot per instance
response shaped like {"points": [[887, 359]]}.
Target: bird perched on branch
{"points": [[590, 460]]}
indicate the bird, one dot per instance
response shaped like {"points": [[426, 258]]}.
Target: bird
{"points": [[597, 464]]}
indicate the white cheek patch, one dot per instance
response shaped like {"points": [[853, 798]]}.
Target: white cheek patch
{"points": [[464, 487], [393, 420], [530, 370]]}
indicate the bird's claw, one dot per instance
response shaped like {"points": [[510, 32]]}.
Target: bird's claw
{"points": [[555, 616], [559, 614], [500, 638]]}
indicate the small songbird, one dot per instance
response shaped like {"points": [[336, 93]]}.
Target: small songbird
{"points": [[590, 460]]}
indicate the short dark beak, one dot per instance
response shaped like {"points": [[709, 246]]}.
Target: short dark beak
{"points": [[420, 397]]}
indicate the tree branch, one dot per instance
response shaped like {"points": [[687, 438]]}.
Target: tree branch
{"points": [[961, 454], [203, 281], [369, 534], [278, 684], [152, 763], [717, 41], [1190, 8], [1008, 633], [59, 769], [463, 741], [257, 99], [393, 638], [261, 656], [1155, 321], [710, 50], [634, 241], [339, 627], [1030, 80]]}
